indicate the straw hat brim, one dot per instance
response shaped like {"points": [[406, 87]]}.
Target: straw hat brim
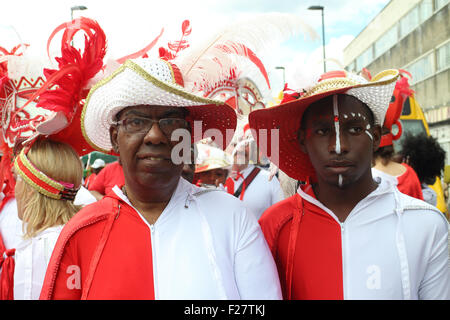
{"points": [[130, 85]]}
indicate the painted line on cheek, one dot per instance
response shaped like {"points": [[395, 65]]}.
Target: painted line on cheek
{"points": [[336, 123], [368, 133]]}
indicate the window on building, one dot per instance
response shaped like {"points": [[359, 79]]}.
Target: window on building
{"points": [[443, 57], [409, 22], [351, 67], [364, 59], [440, 3], [422, 68], [425, 10], [387, 41]]}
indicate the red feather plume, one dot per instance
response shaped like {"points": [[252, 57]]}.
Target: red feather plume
{"points": [[176, 46], [75, 68], [403, 85]]}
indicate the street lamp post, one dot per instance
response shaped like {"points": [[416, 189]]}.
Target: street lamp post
{"points": [[321, 8], [284, 76], [72, 9]]}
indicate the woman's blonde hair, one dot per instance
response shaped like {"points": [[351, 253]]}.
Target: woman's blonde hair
{"points": [[61, 163]]}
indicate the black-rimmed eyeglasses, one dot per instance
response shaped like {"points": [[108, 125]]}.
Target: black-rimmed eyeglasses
{"points": [[143, 125]]}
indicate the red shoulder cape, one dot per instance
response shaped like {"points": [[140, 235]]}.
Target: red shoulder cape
{"points": [[110, 245]]}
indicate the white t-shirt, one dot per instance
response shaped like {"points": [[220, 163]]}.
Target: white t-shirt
{"points": [[31, 258], [261, 193], [84, 197], [10, 225]]}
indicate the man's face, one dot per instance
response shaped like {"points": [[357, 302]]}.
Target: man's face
{"points": [[146, 156], [339, 138], [213, 177]]}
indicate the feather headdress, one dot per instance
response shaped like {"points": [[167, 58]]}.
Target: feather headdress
{"points": [[176, 46], [65, 87], [143, 52], [7, 181], [200, 64]]}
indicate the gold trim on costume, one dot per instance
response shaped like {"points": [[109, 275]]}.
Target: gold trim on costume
{"points": [[171, 70], [32, 183], [39, 174], [342, 83]]}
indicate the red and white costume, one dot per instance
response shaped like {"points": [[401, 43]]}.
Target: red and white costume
{"points": [[391, 246], [178, 257]]}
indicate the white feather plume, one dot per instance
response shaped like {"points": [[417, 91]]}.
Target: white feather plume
{"points": [[208, 63]]}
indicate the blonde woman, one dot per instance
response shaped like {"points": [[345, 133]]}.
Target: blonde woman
{"points": [[48, 175]]}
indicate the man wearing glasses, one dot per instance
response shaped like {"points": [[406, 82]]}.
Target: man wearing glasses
{"points": [[157, 236]]}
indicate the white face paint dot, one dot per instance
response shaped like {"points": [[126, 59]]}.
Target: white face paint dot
{"points": [[340, 180], [368, 127], [352, 114], [345, 116]]}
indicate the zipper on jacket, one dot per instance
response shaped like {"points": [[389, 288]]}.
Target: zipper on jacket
{"points": [[153, 246], [155, 273], [344, 276]]}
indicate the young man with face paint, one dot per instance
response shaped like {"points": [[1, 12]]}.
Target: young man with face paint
{"points": [[345, 235]]}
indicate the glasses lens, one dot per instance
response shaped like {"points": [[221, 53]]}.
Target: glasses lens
{"points": [[137, 124], [169, 125]]}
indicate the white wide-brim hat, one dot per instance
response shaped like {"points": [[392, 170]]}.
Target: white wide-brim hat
{"points": [[286, 117], [146, 81], [210, 157]]}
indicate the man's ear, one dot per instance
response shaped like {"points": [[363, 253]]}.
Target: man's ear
{"points": [[376, 134], [113, 132]]}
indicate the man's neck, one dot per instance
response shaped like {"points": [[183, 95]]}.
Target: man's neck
{"points": [[342, 200], [150, 202]]}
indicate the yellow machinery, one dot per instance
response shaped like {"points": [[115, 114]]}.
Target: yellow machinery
{"points": [[413, 121]]}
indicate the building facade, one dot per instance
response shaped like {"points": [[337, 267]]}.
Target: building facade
{"points": [[413, 35]]}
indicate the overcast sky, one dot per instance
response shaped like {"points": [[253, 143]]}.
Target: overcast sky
{"points": [[131, 24]]}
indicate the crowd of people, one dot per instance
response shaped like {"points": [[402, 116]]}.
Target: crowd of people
{"points": [[305, 200]]}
